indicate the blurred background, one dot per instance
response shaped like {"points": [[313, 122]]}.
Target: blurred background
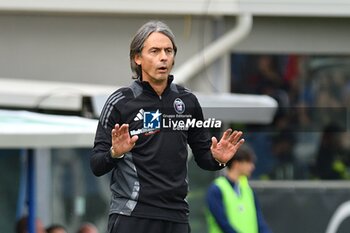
{"points": [[290, 57]]}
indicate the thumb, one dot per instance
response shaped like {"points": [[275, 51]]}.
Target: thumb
{"points": [[214, 142]]}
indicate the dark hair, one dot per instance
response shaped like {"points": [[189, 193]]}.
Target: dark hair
{"points": [[53, 227], [139, 39], [244, 154], [86, 226], [21, 225]]}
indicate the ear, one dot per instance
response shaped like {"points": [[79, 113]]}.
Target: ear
{"points": [[137, 59]]}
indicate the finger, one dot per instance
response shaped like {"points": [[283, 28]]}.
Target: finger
{"points": [[134, 139], [214, 142], [232, 136], [235, 136], [239, 143], [124, 129], [226, 134], [115, 130]]}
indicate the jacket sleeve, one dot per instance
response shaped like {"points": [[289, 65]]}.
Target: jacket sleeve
{"points": [[200, 141], [101, 161]]}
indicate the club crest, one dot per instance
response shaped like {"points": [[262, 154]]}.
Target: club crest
{"points": [[179, 106]]}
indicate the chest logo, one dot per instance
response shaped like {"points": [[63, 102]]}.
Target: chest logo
{"points": [[179, 106], [139, 115], [151, 120]]}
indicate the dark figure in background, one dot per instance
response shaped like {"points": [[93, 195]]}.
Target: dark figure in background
{"points": [[149, 164], [331, 161], [282, 151], [267, 79], [22, 225]]}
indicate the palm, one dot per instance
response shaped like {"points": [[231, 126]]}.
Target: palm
{"points": [[228, 145], [121, 140]]}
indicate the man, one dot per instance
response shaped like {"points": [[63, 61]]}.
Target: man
{"points": [[149, 162], [232, 204]]}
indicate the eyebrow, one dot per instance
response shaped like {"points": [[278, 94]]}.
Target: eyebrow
{"points": [[155, 47]]}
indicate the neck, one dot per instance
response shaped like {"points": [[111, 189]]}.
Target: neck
{"points": [[158, 87], [233, 175]]}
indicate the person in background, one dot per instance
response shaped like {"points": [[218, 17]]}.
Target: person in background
{"points": [[232, 206], [332, 160], [87, 228], [22, 225], [148, 161], [56, 228]]}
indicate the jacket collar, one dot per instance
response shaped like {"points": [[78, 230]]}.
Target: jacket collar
{"points": [[149, 89]]}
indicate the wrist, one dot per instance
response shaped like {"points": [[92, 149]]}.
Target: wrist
{"points": [[115, 155], [221, 164]]}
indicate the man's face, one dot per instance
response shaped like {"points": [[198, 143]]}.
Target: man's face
{"points": [[156, 59]]}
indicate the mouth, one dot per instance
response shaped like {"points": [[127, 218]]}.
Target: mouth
{"points": [[162, 69]]}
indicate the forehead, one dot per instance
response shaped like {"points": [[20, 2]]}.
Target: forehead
{"points": [[158, 40]]}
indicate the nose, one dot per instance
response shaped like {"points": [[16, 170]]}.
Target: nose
{"points": [[163, 55]]}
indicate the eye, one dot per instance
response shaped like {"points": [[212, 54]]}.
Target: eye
{"points": [[169, 51], [153, 51]]}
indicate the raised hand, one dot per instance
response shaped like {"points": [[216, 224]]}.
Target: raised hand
{"points": [[226, 148], [121, 140]]}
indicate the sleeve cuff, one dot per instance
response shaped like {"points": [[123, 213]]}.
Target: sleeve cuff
{"points": [[110, 159]]}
